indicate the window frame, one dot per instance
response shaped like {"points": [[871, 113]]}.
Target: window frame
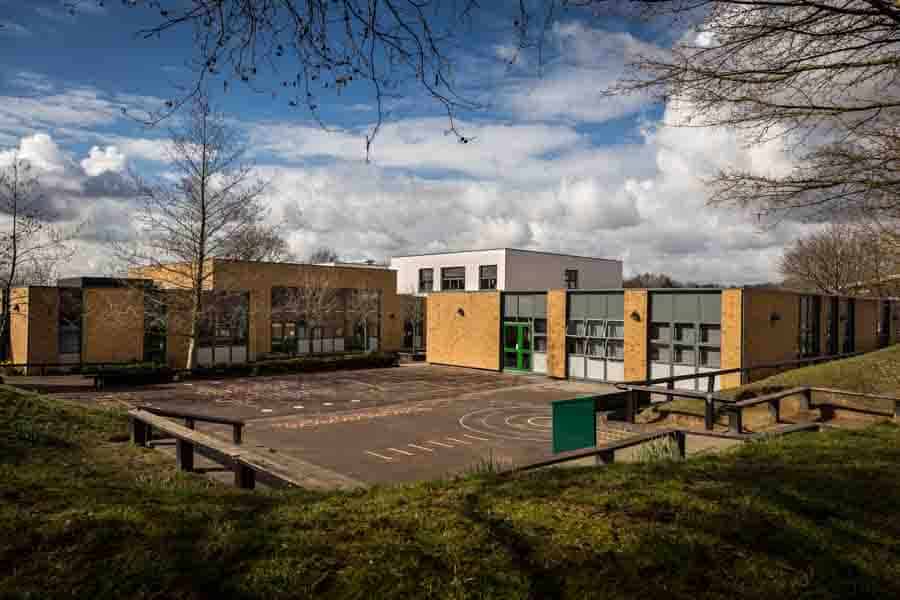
{"points": [[482, 278], [571, 282], [422, 288], [445, 279]]}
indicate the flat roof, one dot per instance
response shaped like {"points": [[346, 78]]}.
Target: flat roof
{"points": [[507, 249]]}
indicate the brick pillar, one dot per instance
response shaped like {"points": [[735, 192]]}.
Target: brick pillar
{"points": [[732, 334], [637, 315], [556, 333]]}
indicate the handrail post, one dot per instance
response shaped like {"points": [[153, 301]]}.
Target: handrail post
{"points": [[184, 455], [711, 384], [735, 420], [897, 409], [607, 457], [671, 386], [806, 401], [681, 442], [138, 432], [709, 412]]}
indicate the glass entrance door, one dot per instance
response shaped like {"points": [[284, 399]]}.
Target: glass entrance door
{"points": [[517, 346]]}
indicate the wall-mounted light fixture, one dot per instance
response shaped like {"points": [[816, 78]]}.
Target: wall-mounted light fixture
{"points": [[774, 317], [635, 316], [460, 312]]}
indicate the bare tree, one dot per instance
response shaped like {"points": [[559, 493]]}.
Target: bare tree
{"points": [[840, 259], [314, 299], [205, 214], [30, 248], [260, 243], [364, 307], [412, 309], [651, 280], [323, 254]]}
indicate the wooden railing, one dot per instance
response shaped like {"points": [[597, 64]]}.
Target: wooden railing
{"points": [[190, 419], [605, 454]]}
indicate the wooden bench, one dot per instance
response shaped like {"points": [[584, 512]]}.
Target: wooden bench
{"points": [[246, 464], [191, 418]]}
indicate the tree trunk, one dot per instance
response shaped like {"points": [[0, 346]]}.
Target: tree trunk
{"points": [[196, 313]]}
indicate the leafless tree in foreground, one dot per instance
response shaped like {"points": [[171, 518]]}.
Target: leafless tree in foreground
{"points": [[30, 248], [840, 259], [314, 298], [212, 207]]}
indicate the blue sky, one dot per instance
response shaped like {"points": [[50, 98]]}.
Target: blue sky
{"points": [[554, 164]]}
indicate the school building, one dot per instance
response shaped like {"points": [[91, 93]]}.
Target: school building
{"points": [[634, 334], [252, 310]]}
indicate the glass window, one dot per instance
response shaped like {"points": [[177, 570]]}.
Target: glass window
{"points": [[595, 348], [616, 329], [487, 277], [571, 277], [615, 349], [453, 278], [660, 332], [540, 344], [710, 334], [540, 326], [686, 334], [70, 309], [709, 358], [809, 325], [596, 329], [426, 280], [575, 328], [660, 353], [575, 346], [684, 355]]}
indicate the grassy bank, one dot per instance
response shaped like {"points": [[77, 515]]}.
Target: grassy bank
{"points": [[83, 514]]}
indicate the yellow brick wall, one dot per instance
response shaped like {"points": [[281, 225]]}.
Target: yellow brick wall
{"points": [[177, 276], [178, 311], [113, 325], [556, 333], [470, 339], [866, 324], [43, 325], [767, 340], [732, 336], [18, 325], [258, 278], [636, 366]]}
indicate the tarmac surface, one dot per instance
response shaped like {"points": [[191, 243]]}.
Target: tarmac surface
{"points": [[409, 423]]}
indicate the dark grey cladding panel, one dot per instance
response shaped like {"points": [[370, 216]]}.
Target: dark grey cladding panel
{"points": [[510, 306], [578, 306], [597, 306], [615, 306], [711, 308], [540, 306], [685, 307], [661, 307], [526, 306]]}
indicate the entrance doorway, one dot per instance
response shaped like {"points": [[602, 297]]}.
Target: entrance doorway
{"points": [[517, 346]]}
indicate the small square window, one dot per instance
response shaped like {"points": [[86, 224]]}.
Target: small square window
{"points": [[453, 278], [571, 277], [487, 277], [426, 280], [540, 344]]}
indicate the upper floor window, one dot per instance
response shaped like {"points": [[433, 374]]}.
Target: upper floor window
{"points": [[453, 278], [487, 277], [426, 280], [572, 279]]}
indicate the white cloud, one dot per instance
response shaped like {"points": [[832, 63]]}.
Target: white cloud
{"points": [[42, 152], [573, 87], [101, 160]]}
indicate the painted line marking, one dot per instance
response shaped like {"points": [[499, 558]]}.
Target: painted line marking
{"points": [[401, 451], [439, 444], [421, 448], [355, 401], [381, 456], [328, 404], [460, 441], [299, 406], [475, 437]]}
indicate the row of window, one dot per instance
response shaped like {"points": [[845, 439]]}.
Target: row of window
{"points": [[454, 278]]}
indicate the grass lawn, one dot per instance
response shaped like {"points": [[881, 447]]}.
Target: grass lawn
{"points": [[83, 514]]}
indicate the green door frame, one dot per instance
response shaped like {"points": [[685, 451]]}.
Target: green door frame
{"points": [[519, 350]]}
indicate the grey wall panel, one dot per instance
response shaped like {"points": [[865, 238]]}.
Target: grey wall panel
{"points": [[597, 305], [578, 306], [711, 308], [685, 307], [660, 307], [540, 306], [526, 306], [615, 306], [510, 306]]}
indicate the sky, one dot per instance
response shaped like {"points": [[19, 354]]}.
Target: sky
{"points": [[553, 163]]}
